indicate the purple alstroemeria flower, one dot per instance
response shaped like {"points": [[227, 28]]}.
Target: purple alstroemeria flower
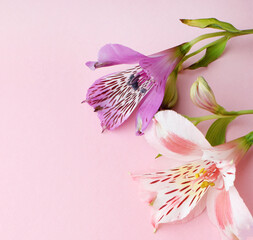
{"points": [[115, 96]]}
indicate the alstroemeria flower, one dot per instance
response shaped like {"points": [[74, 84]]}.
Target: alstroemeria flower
{"points": [[204, 180], [115, 96]]}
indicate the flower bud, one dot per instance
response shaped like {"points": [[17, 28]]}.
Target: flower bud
{"points": [[170, 95], [203, 96]]}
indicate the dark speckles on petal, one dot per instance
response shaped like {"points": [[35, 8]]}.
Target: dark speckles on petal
{"points": [[135, 85], [133, 82], [143, 90], [97, 108], [131, 77]]}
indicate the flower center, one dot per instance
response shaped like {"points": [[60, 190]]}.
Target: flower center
{"points": [[137, 80], [133, 81], [208, 175]]}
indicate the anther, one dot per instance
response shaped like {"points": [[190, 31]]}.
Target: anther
{"points": [[204, 184]]}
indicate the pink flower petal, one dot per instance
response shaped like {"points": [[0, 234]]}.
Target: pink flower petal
{"points": [[176, 137], [229, 213], [116, 96], [114, 54]]}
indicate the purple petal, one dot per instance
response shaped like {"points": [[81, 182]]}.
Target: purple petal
{"points": [[148, 108], [114, 54], [91, 65], [116, 96], [159, 66]]}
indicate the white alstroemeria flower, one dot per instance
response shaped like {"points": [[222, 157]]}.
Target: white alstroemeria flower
{"points": [[205, 180]]}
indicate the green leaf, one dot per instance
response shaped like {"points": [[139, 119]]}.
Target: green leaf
{"points": [[210, 23], [212, 53], [216, 134], [158, 155]]}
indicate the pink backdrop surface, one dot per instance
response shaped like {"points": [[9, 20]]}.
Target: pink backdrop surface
{"points": [[60, 178]]}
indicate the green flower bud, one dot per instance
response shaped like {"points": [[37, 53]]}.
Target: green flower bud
{"points": [[203, 96]]}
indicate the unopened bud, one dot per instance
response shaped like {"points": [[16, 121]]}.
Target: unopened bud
{"points": [[203, 96]]}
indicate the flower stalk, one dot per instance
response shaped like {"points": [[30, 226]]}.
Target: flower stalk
{"points": [[197, 120], [225, 34], [217, 34]]}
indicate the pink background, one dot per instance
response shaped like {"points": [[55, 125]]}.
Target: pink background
{"points": [[60, 178]]}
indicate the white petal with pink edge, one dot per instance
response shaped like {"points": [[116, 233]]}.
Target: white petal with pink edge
{"points": [[229, 213], [176, 137], [227, 152]]}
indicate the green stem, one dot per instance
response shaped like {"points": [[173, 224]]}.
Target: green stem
{"points": [[199, 50], [243, 32], [238, 113], [210, 35], [197, 120], [217, 34], [206, 36]]}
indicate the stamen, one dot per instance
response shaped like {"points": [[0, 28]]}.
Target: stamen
{"points": [[202, 171], [204, 184]]}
